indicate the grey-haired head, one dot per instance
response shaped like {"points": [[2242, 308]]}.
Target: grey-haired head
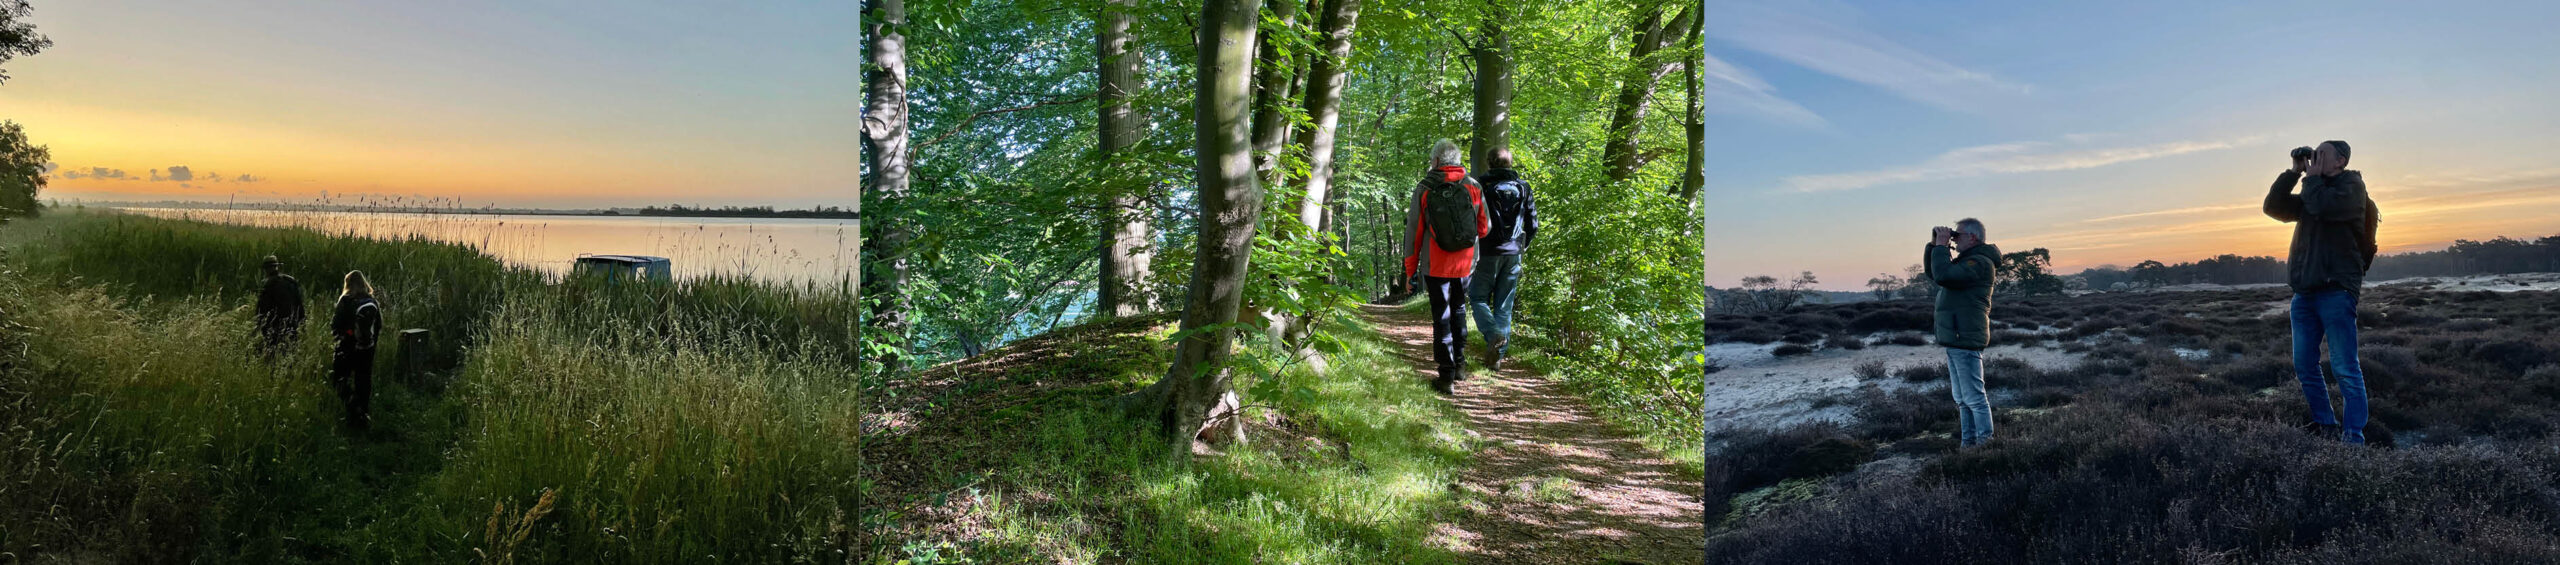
{"points": [[1446, 154], [1969, 233]]}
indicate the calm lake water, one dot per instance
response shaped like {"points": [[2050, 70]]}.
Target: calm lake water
{"points": [[786, 250]]}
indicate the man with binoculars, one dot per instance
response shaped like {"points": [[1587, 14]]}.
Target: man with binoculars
{"points": [[2333, 245], [1965, 269]]}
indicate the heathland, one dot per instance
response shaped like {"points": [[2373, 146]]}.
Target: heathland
{"points": [[2143, 427]]}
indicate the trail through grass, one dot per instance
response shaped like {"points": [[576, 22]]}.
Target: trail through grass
{"points": [[1017, 456]]}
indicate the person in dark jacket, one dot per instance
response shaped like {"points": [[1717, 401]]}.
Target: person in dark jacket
{"points": [[2333, 244], [1446, 280], [280, 312], [1513, 213], [1965, 280], [357, 327]]}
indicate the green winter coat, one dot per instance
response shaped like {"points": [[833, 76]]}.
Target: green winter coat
{"points": [[1964, 293]]}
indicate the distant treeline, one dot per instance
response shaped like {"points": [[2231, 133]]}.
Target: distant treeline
{"points": [[2026, 273], [2466, 257], [747, 212]]}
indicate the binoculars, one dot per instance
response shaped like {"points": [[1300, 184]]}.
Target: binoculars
{"points": [[2302, 153]]}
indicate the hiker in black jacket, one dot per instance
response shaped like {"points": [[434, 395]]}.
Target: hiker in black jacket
{"points": [[1514, 214], [357, 326], [2333, 244], [280, 311]]}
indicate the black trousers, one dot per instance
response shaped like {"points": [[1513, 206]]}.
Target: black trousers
{"points": [[351, 373], [275, 340], [1448, 320]]}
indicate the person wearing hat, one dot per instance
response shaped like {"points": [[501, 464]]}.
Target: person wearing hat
{"points": [[279, 310]]}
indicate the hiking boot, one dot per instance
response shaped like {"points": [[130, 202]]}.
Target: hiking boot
{"points": [[1446, 385]]}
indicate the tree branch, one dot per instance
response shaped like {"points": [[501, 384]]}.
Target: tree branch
{"points": [[964, 122]]}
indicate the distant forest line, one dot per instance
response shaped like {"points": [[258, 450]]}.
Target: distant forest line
{"points": [[2026, 273], [2502, 255]]}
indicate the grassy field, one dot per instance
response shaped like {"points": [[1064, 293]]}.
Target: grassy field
{"points": [[558, 420], [2179, 439], [1015, 456]]}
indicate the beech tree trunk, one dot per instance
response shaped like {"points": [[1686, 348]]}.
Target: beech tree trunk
{"points": [[1635, 94], [884, 140], [1271, 86], [1694, 180], [1492, 52], [1324, 106], [1127, 231], [1197, 385]]}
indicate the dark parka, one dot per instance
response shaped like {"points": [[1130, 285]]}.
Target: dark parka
{"points": [[2333, 224], [280, 310], [1964, 293]]}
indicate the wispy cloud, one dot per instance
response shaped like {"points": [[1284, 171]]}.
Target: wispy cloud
{"points": [[2006, 158], [1735, 90], [2175, 212], [1832, 38]]}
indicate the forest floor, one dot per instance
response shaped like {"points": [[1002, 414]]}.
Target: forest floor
{"points": [[1553, 482]]}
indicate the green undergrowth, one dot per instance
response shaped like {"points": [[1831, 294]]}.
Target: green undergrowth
{"points": [[1030, 463]]}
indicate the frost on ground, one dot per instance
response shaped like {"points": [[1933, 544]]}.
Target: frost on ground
{"points": [[1758, 389]]}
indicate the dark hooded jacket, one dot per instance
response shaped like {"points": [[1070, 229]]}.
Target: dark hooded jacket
{"points": [[2333, 226], [1964, 292], [1513, 210], [280, 305]]}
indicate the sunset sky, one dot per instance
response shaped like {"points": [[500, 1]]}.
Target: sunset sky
{"points": [[512, 103], [2113, 132]]}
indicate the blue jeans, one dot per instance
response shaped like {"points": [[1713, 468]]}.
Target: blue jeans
{"points": [[1973, 404], [2329, 314], [1496, 278]]}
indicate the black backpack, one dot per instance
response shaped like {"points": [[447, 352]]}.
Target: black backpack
{"points": [[1503, 208], [1450, 212]]}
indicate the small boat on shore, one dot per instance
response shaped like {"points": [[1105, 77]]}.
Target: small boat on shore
{"points": [[635, 267]]}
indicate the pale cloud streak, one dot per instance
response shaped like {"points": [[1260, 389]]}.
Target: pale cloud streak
{"points": [[1831, 38], [2176, 212], [2006, 158], [1734, 90]]}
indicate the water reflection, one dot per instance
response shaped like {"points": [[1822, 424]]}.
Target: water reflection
{"points": [[793, 251]]}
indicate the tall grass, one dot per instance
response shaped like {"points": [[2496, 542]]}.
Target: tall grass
{"points": [[446, 288], [131, 432], [705, 419], [700, 445]]}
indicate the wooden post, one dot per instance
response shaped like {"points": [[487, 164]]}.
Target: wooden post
{"points": [[413, 355]]}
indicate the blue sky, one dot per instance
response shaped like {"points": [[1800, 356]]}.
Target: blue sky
{"points": [[515, 103], [2112, 132]]}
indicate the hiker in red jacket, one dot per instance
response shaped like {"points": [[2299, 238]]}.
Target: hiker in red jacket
{"points": [[1453, 255]]}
